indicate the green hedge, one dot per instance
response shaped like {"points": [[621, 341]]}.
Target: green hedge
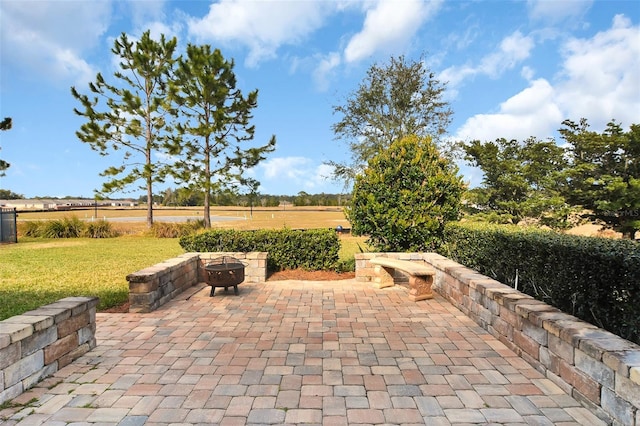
{"points": [[314, 249], [595, 279]]}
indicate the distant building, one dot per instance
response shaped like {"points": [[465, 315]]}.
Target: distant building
{"points": [[66, 204]]}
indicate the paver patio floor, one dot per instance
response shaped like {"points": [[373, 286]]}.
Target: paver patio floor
{"points": [[297, 352]]}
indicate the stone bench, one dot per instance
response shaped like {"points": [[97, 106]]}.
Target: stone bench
{"points": [[420, 274]]}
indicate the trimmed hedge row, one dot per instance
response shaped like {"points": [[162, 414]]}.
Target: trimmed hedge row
{"points": [[595, 279], [314, 249]]}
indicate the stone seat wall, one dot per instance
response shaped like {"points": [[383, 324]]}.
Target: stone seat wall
{"points": [[152, 287], [594, 366]]}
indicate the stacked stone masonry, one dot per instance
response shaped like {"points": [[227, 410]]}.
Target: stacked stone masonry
{"points": [[38, 343], [596, 367], [154, 286]]}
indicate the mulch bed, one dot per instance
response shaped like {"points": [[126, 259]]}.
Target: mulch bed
{"points": [[301, 274]]}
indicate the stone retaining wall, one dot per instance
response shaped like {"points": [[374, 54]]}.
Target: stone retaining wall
{"points": [[154, 286], [596, 367], [38, 343]]}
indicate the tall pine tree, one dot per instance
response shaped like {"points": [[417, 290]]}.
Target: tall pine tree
{"points": [[134, 121], [214, 126]]}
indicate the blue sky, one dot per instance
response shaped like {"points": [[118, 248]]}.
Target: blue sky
{"points": [[514, 70]]}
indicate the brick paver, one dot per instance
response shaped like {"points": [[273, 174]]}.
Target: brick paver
{"points": [[297, 352]]}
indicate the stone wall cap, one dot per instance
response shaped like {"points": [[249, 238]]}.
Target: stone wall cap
{"points": [[524, 307], [492, 288], [623, 361], [597, 341], [37, 322], [16, 331]]}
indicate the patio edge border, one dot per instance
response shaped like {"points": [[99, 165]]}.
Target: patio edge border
{"points": [[599, 369]]}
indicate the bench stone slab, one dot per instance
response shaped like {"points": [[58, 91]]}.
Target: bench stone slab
{"points": [[420, 274]]}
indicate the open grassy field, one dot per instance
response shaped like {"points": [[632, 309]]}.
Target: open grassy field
{"points": [[35, 272], [132, 220]]}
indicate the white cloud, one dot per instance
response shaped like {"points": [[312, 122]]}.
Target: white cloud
{"points": [[67, 63], [48, 37], [599, 77], [320, 177], [388, 25], [152, 15], [454, 77], [512, 50], [461, 40], [157, 29], [285, 167], [532, 112], [327, 65], [527, 73], [556, 11], [295, 172], [261, 26], [598, 81]]}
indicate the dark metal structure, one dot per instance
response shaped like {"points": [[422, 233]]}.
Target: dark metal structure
{"points": [[225, 271], [8, 225]]}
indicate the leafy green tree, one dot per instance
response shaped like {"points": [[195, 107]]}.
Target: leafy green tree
{"points": [[189, 197], [405, 196], [5, 124], [5, 194], [604, 173], [134, 121], [395, 100], [270, 201], [520, 180], [169, 197], [225, 197], [215, 125], [302, 199]]}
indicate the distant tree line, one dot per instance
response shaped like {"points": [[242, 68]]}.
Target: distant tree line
{"points": [[184, 197], [6, 194]]}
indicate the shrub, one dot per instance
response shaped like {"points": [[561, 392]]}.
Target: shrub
{"points": [[405, 196], [100, 229], [30, 229], [175, 230], [67, 227], [315, 249], [346, 265], [595, 279]]}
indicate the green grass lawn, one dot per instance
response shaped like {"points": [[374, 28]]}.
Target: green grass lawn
{"points": [[36, 272]]}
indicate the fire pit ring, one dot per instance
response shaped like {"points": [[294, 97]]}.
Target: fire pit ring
{"points": [[225, 271]]}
